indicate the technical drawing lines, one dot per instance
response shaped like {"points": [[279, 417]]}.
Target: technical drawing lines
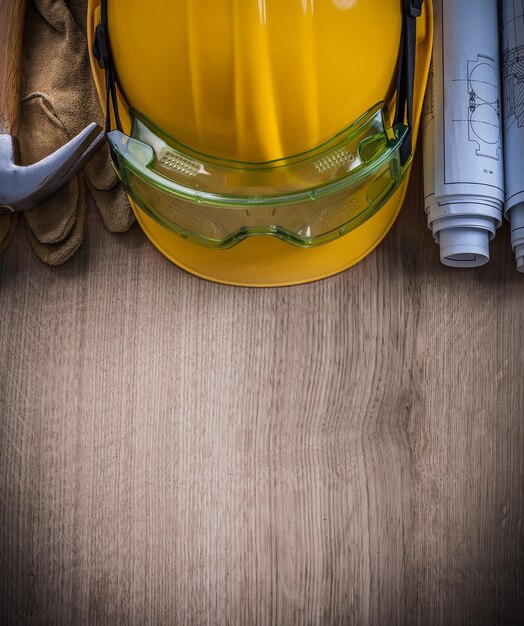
{"points": [[483, 106], [428, 111], [513, 50]]}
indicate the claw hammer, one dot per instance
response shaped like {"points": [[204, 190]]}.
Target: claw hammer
{"points": [[24, 187]]}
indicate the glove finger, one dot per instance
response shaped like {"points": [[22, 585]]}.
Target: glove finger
{"points": [[99, 170], [114, 207], [78, 9], [7, 228], [108, 193], [41, 132], [58, 253], [56, 13]]}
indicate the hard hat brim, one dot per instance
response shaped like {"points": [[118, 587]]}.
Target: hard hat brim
{"points": [[271, 262]]}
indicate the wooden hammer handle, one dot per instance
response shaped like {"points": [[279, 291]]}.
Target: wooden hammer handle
{"points": [[11, 29]]}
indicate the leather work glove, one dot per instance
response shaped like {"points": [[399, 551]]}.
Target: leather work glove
{"points": [[7, 226], [58, 100]]}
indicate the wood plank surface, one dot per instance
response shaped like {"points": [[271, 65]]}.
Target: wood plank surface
{"points": [[178, 452]]}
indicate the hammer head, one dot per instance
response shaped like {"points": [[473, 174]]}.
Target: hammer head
{"points": [[24, 187]]}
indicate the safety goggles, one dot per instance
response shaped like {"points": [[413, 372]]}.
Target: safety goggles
{"points": [[307, 199]]}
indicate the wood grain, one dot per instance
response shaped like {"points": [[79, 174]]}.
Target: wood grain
{"points": [[178, 452], [11, 23]]}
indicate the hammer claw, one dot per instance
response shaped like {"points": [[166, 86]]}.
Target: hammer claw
{"points": [[24, 187], [73, 156]]}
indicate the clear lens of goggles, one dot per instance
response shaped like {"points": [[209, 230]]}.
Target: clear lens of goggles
{"points": [[307, 199]]}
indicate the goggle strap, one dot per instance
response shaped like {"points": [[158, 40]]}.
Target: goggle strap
{"points": [[102, 53], [406, 74]]}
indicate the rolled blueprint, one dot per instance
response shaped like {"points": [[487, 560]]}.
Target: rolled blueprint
{"points": [[462, 132], [513, 105]]}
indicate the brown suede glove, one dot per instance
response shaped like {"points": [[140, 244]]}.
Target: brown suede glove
{"points": [[59, 99]]}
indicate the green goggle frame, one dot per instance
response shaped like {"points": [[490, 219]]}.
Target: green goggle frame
{"points": [[307, 199]]}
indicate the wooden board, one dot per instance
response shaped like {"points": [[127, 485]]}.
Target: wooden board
{"points": [[178, 452]]}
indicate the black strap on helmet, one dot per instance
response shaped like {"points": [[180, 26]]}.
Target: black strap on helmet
{"points": [[405, 71], [102, 53]]}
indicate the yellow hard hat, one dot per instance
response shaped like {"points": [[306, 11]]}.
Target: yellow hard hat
{"points": [[262, 142]]}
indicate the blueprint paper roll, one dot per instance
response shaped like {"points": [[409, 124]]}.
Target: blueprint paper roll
{"points": [[517, 234], [464, 242], [513, 105], [462, 132]]}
